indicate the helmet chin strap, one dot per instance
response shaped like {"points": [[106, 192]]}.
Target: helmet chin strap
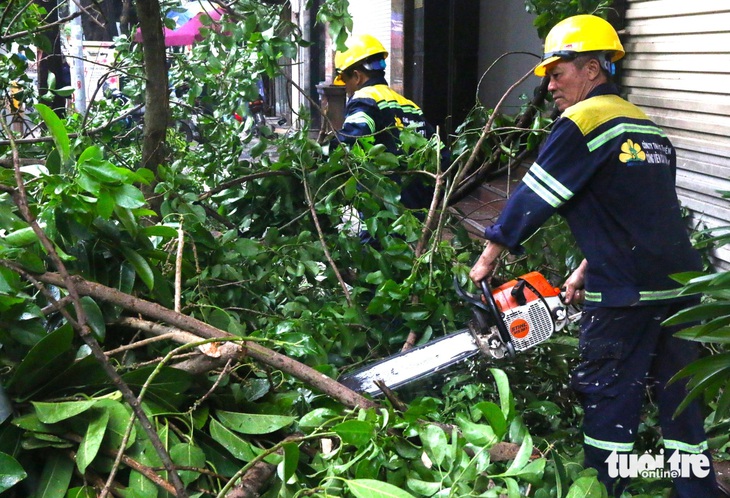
{"points": [[588, 87]]}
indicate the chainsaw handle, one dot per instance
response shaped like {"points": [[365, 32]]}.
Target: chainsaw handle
{"points": [[501, 327], [473, 299]]}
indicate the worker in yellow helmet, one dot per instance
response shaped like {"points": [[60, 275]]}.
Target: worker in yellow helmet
{"points": [[376, 110], [610, 172]]}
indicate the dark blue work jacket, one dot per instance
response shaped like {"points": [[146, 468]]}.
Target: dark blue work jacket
{"points": [[610, 171]]}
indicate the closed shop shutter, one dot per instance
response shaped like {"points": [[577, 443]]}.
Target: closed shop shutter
{"points": [[677, 69], [373, 17]]}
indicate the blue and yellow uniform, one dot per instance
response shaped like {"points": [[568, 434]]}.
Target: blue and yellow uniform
{"points": [[610, 172], [377, 111]]}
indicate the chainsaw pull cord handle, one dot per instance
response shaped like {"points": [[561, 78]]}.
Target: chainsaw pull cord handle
{"points": [[518, 292], [501, 327]]}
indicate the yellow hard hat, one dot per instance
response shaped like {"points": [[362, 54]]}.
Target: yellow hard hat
{"points": [[581, 33], [359, 48]]}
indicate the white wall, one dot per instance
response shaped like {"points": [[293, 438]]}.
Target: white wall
{"points": [[677, 69], [372, 17]]}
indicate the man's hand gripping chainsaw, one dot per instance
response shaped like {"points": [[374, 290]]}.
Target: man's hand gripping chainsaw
{"points": [[515, 316]]}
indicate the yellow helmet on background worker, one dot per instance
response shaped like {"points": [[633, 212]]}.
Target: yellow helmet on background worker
{"points": [[359, 48], [577, 34]]}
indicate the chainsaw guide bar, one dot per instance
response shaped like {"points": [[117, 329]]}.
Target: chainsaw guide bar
{"points": [[515, 316], [413, 364]]}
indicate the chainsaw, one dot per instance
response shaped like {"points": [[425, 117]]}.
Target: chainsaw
{"points": [[511, 318]]}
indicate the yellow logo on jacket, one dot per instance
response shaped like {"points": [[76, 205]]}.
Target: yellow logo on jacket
{"points": [[631, 153]]}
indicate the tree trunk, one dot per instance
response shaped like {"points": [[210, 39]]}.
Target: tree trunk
{"points": [[157, 104], [52, 62]]}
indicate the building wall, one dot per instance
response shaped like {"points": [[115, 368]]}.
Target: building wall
{"points": [[373, 17], [677, 69], [506, 27]]}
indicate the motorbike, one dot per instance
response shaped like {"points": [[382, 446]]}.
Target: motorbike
{"points": [[134, 118]]}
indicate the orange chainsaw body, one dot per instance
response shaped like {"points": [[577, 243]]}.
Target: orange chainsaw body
{"points": [[528, 305]]}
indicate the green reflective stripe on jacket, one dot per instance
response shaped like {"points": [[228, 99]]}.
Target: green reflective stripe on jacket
{"points": [[644, 296], [550, 181], [542, 191], [361, 118], [620, 129], [593, 297], [659, 295], [608, 445], [391, 104], [671, 444]]}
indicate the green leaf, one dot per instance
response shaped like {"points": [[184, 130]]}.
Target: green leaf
{"points": [[370, 488], [505, 395], [139, 485], [290, 462], [91, 153], [141, 266], [94, 317], [43, 362], [188, 455], [104, 203], [126, 278], [238, 447], [58, 131], [523, 456], [317, 418], [494, 416], [107, 173], [11, 472], [476, 434], [423, 488], [90, 444], [587, 487], [119, 416], [128, 196], [355, 432], [434, 442], [83, 492], [20, 238], [163, 231], [50, 413], [56, 476], [699, 312], [166, 389], [251, 423], [248, 248]]}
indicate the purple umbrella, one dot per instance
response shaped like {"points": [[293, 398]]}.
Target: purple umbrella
{"points": [[189, 24]]}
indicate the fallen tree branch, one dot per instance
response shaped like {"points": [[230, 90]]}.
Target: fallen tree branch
{"points": [[322, 241], [241, 180], [499, 452], [258, 352], [253, 480]]}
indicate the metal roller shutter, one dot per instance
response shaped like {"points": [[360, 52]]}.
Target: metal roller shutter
{"points": [[677, 69]]}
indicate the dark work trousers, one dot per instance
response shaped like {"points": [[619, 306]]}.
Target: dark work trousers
{"points": [[624, 351]]}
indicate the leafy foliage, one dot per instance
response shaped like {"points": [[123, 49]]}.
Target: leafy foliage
{"points": [[550, 12], [258, 238], [708, 324]]}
